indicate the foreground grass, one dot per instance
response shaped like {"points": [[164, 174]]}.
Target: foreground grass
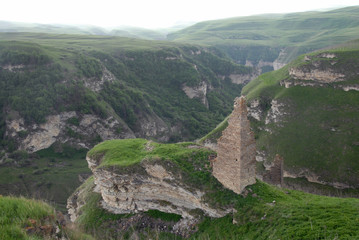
{"points": [[272, 213], [28, 219], [15, 214], [267, 212]]}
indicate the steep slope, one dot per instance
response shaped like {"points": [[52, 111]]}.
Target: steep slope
{"points": [[81, 89], [307, 112], [270, 41], [128, 171]]}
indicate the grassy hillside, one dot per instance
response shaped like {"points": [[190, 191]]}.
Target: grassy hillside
{"points": [[317, 130], [263, 37], [267, 212]]}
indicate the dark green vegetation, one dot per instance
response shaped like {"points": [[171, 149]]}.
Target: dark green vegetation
{"points": [[51, 75], [47, 74], [267, 212], [263, 37], [318, 131], [46, 174]]}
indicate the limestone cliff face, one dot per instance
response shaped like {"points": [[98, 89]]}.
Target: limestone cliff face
{"points": [[322, 70], [319, 68], [324, 76], [153, 185], [235, 163], [199, 92], [58, 129]]}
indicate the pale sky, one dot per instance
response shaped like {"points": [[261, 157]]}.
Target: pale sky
{"points": [[150, 13]]}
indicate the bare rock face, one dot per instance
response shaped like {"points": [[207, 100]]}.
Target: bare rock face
{"points": [[235, 163], [199, 91], [323, 76], [243, 78], [58, 129], [151, 186]]}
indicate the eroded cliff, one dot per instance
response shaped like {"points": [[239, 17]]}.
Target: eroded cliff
{"points": [[136, 175]]}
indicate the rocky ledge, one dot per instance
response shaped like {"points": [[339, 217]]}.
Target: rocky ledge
{"points": [[156, 183]]}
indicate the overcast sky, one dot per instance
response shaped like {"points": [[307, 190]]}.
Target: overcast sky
{"points": [[150, 13]]}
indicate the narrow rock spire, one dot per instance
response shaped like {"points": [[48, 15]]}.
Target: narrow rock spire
{"points": [[236, 151]]}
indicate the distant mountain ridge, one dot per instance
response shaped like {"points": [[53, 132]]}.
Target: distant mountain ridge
{"points": [[270, 41], [121, 31]]}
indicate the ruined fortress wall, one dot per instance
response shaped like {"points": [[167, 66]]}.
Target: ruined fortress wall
{"points": [[235, 163]]}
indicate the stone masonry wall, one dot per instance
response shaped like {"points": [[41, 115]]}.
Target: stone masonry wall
{"points": [[235, 164]]}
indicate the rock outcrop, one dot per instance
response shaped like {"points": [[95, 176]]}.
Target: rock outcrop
{"points": [[318, 75], [57, 128], [151, 184], [199, 92], [235, 164]]}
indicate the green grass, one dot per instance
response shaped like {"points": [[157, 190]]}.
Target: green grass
{"points": [[18, 214], [294, 215], [216, 133], [15, 214], [126, 152]]}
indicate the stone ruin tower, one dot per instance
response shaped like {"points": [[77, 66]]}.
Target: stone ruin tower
{"points": [[235, 164]]}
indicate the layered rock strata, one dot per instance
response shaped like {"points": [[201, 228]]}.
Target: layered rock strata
{"points": [[150, 186], [235, 164], [58, 129]]}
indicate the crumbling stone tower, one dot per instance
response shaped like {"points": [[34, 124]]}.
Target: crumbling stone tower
{"points": [[235, 164]]}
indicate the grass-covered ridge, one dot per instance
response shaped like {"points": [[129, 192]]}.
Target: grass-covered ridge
{"points": [[263, 37], [187, 161], [126, 152], [318, 131], [267, 212]]}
